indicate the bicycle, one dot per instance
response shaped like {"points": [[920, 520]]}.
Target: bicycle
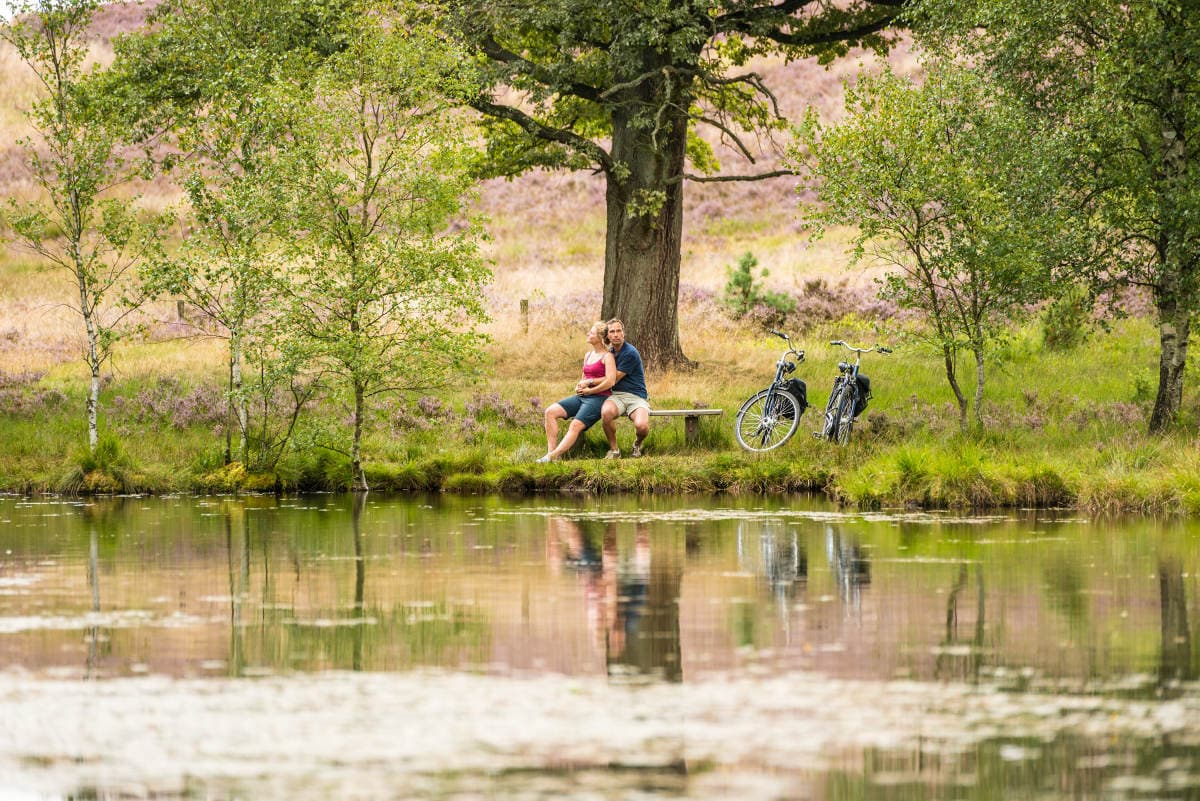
{"points": [[849, 397], [771, 416]]}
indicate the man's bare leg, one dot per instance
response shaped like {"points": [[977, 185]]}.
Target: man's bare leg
{"points": [[641, 426]]}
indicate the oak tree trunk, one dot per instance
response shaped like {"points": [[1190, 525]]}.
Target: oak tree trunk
{"points": [[644, 233]]}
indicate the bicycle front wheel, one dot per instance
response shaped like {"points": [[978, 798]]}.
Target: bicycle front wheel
{"points": [[767, 420], [845, 415]]}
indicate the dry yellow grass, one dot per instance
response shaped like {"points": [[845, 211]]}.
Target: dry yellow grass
{"points": [[17, 91]]}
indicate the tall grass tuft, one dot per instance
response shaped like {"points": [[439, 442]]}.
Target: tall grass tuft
{"points": [[107, 469]]}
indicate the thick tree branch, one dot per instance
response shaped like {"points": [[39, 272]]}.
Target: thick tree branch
{"points": [[712, 179], [758, 22], [751, 79], [802, 39], [727, 131], [534, 128], [742, 21], [497, 52]]}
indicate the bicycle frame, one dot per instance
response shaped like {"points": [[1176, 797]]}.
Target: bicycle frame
{"points": [[783, 367], [843, 399]]}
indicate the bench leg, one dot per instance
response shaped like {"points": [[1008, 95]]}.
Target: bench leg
{"points": [[691, 428]]}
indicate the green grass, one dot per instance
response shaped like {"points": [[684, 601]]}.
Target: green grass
{"points": [[1062, 430]]}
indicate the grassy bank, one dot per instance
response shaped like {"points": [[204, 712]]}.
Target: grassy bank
{"points": [[1063, 429]]}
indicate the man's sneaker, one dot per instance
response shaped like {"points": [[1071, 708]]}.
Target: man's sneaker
{"points": [[544, 459], [613, 454], [636, 453]]}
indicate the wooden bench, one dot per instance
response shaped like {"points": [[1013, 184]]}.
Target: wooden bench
{"points": [[691, 419]]}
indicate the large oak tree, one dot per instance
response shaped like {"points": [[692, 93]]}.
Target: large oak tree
{"points": [[621, 87]]}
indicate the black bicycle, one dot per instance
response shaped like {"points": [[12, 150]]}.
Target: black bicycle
{"points": [[770, 417], [851, 392]]}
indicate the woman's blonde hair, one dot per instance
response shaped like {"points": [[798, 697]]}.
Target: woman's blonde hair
{"points": [[601, 328]]}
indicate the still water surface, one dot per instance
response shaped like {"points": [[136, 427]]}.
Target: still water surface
{"points": [[332, 647]]}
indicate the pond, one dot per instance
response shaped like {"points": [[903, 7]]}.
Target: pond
{"points": [[659, 648]]}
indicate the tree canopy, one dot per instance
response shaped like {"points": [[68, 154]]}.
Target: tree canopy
{"points": [[956, 189], [623, 87]]}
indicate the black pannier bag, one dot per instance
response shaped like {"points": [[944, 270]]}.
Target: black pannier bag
{"points": [[864, 394], [798, 390]]}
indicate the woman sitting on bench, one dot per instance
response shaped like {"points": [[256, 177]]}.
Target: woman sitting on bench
{"points": [[584, 406]]}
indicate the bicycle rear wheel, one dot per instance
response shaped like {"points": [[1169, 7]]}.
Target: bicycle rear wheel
{"points": [[845, 414], [829, 423], [767, 420]]}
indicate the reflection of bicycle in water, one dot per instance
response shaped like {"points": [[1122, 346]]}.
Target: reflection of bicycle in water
{"points": [[849, 565], [777, 555], [779, 559]]}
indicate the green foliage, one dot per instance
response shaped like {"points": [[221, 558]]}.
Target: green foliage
{"points": [[579, 71], [205, 78], [744, 290], [1067, 322], [108, 454], [75, 160], [381, 293], [1118, 80], [623, 89]]}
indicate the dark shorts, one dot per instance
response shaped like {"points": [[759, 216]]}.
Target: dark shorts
{"points": [[584, 408]]}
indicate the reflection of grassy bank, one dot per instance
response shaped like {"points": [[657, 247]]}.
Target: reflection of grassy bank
{"points": [[1063, 430]]}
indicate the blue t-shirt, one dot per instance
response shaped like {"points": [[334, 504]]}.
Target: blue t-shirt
{"points": [[629, 362]]}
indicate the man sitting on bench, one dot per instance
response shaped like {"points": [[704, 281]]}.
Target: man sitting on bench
{"points": [[629, 396]]}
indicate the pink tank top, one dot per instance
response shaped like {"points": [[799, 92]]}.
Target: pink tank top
{"points": [[595, 370]]}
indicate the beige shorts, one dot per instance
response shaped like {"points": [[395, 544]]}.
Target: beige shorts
{"points": [[627, 403]]}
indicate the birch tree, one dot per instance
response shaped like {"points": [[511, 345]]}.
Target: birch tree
{"points": [[1121, 76], [383, 291], [957, 192], [74, 159]]}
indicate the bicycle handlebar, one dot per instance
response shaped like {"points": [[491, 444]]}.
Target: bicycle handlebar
{"points": [[791, 348], [873, 349]]}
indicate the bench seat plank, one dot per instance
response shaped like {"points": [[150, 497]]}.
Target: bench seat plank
{"points": [[684, 412]]}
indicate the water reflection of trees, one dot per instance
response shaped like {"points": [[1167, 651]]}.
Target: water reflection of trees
{"points": [[961, 657], [631, 592], [1177, 662], [313, 583], [103, 518]]}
